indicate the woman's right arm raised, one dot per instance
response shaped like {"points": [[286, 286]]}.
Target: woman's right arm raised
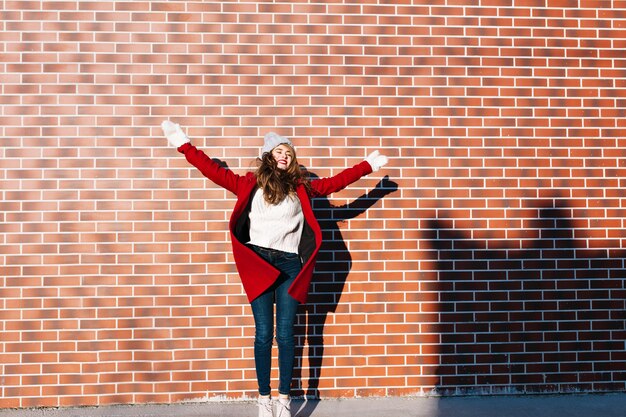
{"points": [[209, 168]]}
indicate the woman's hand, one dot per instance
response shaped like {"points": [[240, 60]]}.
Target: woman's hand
{"points": [[376, 160], [174, 134]]}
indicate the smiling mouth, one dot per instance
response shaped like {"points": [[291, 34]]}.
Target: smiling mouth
{"points": [[282, 161]]}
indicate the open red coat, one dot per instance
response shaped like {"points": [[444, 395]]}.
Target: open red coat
{"points": [[256, 274]]}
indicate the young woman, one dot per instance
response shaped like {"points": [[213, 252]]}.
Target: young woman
{"points": [[275, 239]]}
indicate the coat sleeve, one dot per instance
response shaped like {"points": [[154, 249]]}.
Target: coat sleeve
{"points": [[212, 170], [326, 186]]}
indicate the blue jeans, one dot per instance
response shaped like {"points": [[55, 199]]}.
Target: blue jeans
{"points": [[286, 309]]}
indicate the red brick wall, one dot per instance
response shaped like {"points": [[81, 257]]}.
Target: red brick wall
{"points": [[490, 261]]}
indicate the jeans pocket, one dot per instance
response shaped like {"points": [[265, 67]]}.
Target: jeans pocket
{"points": [[290, 256], [289, 264]]}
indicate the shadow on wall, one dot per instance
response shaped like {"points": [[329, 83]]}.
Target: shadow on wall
{"points": [[549, 317], [328, 283]]}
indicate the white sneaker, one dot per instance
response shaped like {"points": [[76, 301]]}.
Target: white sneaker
{"points": [[283, 407], [265, 407]]}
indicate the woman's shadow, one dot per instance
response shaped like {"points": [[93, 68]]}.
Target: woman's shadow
{"points": [[333, 266]]}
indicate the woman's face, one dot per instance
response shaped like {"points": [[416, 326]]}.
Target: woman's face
{"points": [[283, 156]]}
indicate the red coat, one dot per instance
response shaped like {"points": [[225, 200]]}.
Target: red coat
{"points": [[256, 274]]}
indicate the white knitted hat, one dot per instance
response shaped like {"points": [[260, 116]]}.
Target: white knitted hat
{"points": [[272, 140]]}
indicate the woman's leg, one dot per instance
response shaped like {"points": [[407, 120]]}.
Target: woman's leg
{"points": [[263, 311], [286, 312]]}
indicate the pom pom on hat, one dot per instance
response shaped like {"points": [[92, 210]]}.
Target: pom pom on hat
{"points": [[272, 140]]}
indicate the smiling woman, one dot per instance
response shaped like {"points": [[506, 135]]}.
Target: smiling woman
{"points": [[275, 239], [283, 156]]}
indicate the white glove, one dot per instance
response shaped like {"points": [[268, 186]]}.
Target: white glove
{"points": [[174, 134], [376, 160]]}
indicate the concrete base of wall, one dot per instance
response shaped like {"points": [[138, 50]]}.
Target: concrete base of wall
{"points": [[608, 405]]}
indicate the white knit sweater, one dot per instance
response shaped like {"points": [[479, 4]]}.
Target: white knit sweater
{"points": [[276, 226]]}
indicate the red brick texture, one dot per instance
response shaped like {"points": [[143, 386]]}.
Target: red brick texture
{"points": [[488, 257]]}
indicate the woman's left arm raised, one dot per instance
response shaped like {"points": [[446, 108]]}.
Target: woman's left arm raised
{"points": [[326, 186]]}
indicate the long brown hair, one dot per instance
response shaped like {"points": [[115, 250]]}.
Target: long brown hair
{"points": [[277, 183]]}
